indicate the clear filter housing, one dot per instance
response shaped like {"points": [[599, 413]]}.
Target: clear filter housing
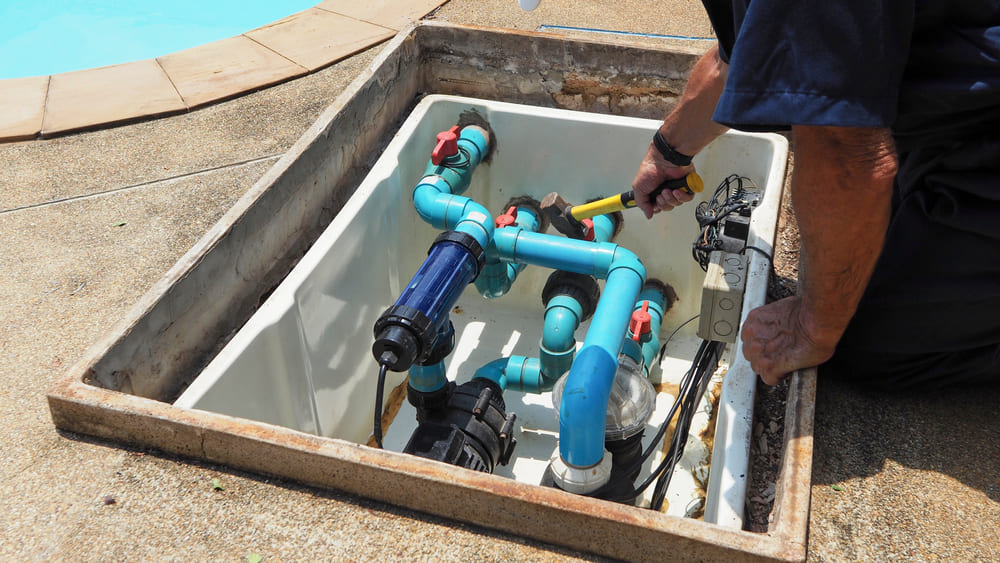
{"points": [[630, 405]]}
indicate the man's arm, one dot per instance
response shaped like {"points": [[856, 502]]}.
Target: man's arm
{"points": [[841, 191], [688, 129]]}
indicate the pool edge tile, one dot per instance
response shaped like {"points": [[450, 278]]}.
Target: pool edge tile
{"points": [[222, 69], [107, 95], [315, 38], [22, 107]]}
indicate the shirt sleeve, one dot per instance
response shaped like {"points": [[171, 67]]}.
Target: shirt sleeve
{"points": [[722, 14], [816, 63]]}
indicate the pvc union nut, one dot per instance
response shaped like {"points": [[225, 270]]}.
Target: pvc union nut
{"points": [[580, 480]]}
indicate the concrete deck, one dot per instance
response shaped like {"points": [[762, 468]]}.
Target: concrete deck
{"points": [[90, 221], [182, 81]]}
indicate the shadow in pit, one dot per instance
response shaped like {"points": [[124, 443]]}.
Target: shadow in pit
{"points": [[141, 455], [955, 432]]}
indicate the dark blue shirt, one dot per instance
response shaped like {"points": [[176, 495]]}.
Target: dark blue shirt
{"points": [[929, 69]]}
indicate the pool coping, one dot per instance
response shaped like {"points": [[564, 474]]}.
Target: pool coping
{"points": [[179, 82]]}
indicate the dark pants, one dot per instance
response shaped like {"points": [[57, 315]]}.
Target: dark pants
{"points": [[930, 316]]}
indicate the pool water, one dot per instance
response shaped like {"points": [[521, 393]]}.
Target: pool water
{"points": [[39, 37]]}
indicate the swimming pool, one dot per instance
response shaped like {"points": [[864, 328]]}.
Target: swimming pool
{"points": [[39, 37]]}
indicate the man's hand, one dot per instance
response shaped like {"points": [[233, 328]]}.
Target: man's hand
{"points": [[778, 339], [688, 129], [653, 171]]}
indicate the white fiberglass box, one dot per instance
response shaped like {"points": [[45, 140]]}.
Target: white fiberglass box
{"points": [[304, 359]]}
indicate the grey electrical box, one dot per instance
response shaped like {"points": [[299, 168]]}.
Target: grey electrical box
{"points": [[722, 297]]}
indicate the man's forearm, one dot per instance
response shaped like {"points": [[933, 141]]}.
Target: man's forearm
{"points": [[841, 192], [689, 127], [687, 130]]}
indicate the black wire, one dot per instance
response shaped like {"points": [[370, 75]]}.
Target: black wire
{"points": [[774, 290], [667, 341], [679, 438], [706, 367], [729, 197], [684, 390], [379, 391], [759, 251]]}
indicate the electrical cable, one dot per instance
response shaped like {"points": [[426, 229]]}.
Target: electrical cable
{"points": [[759, 251], [774, 290], [676, 330], [685, 388], [706, 367], [730, 197], [691, 389], [379, 391]]}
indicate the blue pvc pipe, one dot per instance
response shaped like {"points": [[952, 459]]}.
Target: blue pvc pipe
{"points": [[558, 345], [560, 253], [494, 371], [498, 276], [517, 373], [457, 170], [428, 378], [525, 375], [444, 210], [585, 398], [562, 318], [435, 196], [651, 342], [604, 227]]}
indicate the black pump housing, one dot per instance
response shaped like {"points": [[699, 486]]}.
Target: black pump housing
{"points": [[464, 425]]}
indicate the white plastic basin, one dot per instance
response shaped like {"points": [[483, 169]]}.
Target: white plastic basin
{"points": [[304, 360]]}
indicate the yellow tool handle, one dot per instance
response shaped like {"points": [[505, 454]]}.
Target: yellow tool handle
{"points": [[599, 207], [692, 183]]}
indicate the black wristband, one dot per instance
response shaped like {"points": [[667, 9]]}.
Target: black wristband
{"points": [[668, 152]]}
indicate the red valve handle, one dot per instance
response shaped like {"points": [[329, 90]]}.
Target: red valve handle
{"points": [[641, 323], [507, 219], [447, 145]]}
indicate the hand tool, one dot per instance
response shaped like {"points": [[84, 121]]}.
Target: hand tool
{"points": [[569, 219]]}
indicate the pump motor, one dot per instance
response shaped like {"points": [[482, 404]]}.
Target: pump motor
{"points": [[463, 425]]}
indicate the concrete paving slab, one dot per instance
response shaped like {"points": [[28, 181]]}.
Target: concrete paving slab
{"points": [[68, 260], [910, 477], [108, 95], [315, 38], [394, 14], [258, 125], [169, 510], [22, 103], [222, 69], [43, 506]]}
